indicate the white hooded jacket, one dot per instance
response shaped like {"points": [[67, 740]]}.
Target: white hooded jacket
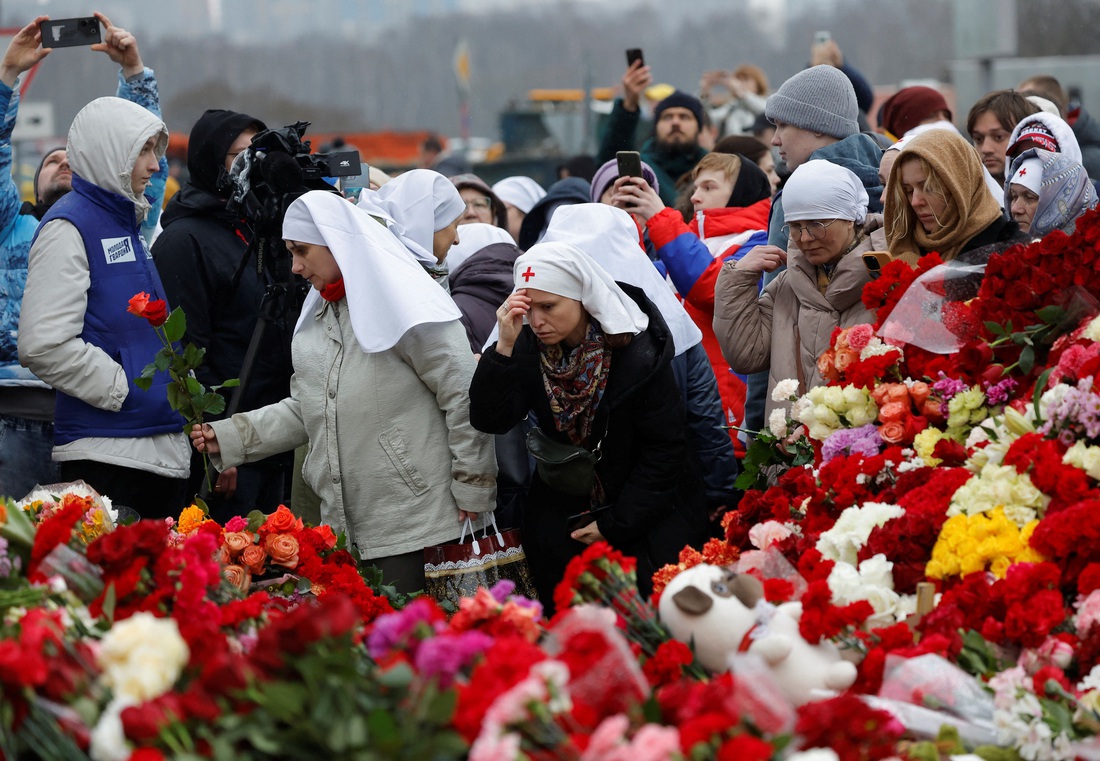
{"points": [[104, 142]]}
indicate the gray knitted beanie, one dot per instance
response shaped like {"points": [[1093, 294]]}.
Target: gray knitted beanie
{"points": [[819, 99]]}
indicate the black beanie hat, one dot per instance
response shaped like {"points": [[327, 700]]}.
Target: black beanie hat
{"points": [[680, 99]]}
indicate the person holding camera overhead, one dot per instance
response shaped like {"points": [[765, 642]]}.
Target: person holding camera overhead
{"points": [[592, 359], [26, 402], [200, 256], [381, 372], [789, 325]]}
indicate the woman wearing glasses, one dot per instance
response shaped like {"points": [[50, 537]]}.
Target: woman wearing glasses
{"points": [[788, 326]]}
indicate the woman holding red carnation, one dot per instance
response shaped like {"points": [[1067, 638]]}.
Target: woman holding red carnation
{"points": [[381, 371], [789, 325]]}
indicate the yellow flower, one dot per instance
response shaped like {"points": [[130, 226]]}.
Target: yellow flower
{"points": [[983, 541], [190, 519], [924, 443]]}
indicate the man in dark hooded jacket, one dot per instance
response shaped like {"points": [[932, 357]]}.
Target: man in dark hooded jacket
{"points": [[201, 260]]}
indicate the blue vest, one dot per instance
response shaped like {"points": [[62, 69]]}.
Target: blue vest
{"points": [[120, 267]]}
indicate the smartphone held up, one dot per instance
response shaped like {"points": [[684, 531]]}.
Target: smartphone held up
{"points": [[632, 55], [70, 32]]}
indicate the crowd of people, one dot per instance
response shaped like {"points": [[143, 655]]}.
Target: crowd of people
{"points": [[588, 360]]}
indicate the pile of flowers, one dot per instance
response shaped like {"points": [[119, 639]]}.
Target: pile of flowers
{"points": [[932, 510]]}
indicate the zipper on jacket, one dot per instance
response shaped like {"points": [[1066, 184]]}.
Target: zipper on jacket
{"points": [[699, 217]]}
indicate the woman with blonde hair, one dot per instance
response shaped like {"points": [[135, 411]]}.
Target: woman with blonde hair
{"points": [[937, 200]]}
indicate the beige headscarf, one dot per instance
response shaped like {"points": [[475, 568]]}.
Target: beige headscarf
{"points": [[970, 207]]}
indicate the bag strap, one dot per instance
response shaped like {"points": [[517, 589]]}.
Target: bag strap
{"points": [[490, 517], [469, 525]]}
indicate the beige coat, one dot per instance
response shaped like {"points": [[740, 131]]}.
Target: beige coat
{"points": [[392, 454], [758, 331]]}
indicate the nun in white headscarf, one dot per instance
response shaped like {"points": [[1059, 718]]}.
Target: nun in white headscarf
{"points": [[422, 208], [788, 326], [381, 372], [610, 236], [591, 359]]}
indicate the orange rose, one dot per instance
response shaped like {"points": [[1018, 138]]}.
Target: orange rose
{"points": [[327, 535], [898, 392], [238, 576], [236, 541], [253, 557], [283, 549], [827, 367], [281, 521], [894, 432], [893, 411], [920, 391], [878, 394], [138, 304], [845, 357], [223, 556]]}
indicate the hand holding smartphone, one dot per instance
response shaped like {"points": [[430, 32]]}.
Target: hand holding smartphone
{"points": [[70, 32], [634, 54], [629, 163]]}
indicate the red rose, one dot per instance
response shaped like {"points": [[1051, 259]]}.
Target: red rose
{"points": [[153, 310], [156, 313]]}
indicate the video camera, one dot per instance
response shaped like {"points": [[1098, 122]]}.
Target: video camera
{"points": [[276, 168]]}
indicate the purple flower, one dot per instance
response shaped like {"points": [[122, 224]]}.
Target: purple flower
{"points": [[864, 440], [948, 387], [442, 657], [393, 629], [999, 393], [1076, 415], [502, 590]]}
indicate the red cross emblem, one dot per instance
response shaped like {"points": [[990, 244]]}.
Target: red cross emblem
{"points": [[1022, 173], [530, 273]]}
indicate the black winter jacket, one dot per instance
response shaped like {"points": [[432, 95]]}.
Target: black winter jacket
{"points": [[197, 256], [480, 285], [651, 482]]}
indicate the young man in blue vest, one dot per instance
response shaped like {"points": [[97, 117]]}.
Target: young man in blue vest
{"points": [[86, 262]]}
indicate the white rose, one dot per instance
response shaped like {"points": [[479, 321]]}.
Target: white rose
{"points": [[854, 396], [834, 397], [142, 656], [784, 390], [858, 416], [826, 415]]}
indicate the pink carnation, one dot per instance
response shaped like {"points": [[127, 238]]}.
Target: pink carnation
{"points": [[860, 335], [764, 535], [489, 747], [235, 524], [607, 737], [1088, 612], [653, 743]]}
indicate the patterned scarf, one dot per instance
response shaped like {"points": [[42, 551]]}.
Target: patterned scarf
{"points": [[575, 382]]}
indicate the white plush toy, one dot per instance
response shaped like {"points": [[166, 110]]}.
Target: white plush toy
{"points": [[724, 613]]}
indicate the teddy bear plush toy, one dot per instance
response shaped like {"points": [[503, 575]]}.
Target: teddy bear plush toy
{"points": [[722, 613]]}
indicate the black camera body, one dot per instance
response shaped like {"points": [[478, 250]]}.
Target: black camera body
{"points": [[276, 168]]}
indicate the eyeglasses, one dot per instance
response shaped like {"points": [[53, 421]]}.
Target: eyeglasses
{"points": [[816, 229], [479, 204]]}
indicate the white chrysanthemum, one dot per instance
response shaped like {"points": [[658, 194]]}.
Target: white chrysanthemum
{"points": [[784, 390], [142, 657], [876, 348], [848, 535]]}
